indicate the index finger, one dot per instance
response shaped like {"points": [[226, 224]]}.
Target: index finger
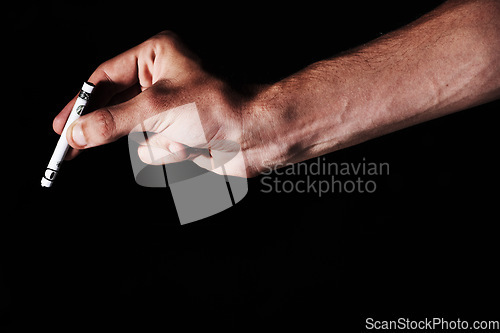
{"points": [[114, 76], [110, 78]]}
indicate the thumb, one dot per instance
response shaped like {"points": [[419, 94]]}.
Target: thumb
{"points": [[108, 124]]}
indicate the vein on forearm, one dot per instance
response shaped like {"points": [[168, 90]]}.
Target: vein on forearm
{"points": [[446, 61]]}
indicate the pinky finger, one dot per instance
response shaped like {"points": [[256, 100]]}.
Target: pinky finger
{"points": [[159, 150]]}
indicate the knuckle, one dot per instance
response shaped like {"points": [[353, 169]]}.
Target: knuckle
{"points": [[105, 125], [167, 35], [169, 46], [105, 68], [164, 39]]}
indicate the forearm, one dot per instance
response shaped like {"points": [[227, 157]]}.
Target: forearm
{"points": [[446, 61]]}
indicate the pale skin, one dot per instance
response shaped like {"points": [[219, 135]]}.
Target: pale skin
{"points": [[446, 61]]}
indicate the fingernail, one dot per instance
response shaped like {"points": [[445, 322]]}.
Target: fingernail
{"points": [[77, 135]]}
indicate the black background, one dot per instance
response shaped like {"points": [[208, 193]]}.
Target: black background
{"points": [[97, 250]]}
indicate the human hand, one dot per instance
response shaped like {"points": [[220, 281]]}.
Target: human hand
{"points": [[163, 90]]}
